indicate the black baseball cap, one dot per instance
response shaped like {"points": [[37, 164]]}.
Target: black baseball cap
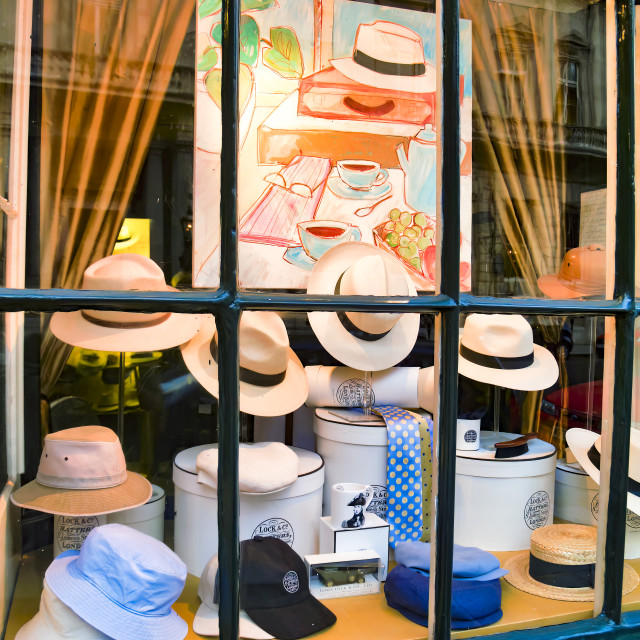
{"points": [[274, 590]]}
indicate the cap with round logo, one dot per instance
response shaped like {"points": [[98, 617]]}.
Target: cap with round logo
{"points": [[274, 590]]}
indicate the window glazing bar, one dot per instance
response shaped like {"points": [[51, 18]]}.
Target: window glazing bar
{"points": [[228, 318], [625, 288], [448, 233]]}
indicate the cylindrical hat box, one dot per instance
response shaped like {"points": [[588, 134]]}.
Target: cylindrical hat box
{"points": [[468, 435], [499, 502], [293, 514], [69, 532], [578, 500], [147, 518], [353, 452]]}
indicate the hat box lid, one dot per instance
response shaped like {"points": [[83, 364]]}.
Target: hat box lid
{"points": [[330, 426], [310, 475], [539, 460], [574, 475]]}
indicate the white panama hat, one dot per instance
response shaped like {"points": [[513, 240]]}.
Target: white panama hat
{"points": [[498, 349], [272, 379], [387, 55], [364, 341], [586, 447]]}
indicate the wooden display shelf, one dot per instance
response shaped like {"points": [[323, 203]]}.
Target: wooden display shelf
{"points": [[359, 618]]}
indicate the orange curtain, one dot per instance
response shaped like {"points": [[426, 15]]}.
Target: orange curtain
{"points": [[105, 70]]}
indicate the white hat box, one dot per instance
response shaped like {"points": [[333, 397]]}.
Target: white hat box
{"points": [[291, 514], [499, 502], [353, 452], [578, 500], [147, 518]]}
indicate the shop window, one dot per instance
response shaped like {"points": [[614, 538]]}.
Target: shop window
{"points": [[567, 97]]}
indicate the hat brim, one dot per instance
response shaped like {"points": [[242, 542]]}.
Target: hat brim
{"points": [[278, 400], [73, 328], [425, 83], [542, 374], [207, 623], [295, 621], [334, 336], [519, 578], [580, 441], [114, 620], [133, 492], [554, 287]]}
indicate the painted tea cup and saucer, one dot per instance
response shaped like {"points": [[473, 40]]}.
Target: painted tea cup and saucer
{"points": [[359, 180]]}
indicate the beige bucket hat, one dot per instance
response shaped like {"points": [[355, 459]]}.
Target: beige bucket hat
{"points": [[561, 564], [363, 341], [124, 330], [82, 472], [498, 349], [272, 379]]}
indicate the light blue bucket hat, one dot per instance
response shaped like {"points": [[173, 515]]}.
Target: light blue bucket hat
{"points": [[123, 583]]}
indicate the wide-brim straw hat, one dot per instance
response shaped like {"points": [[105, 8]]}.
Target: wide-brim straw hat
{"points": [[124, 330], [388, 56], [585, 446], [569, 545], [498, 349], [257, 335], [331, 329]]}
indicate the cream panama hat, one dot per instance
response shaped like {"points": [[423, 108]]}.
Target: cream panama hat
{"points": [[498, 349], [364, 341], [387, 55], [583, 273], [560, 564], [82, 472], [272, 379], [586, 446], [124, 330]]}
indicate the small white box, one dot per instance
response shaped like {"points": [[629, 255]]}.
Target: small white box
{"points": [[338, 575], [374, 535]]}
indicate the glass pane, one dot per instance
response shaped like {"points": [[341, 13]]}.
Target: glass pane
{"points": [[539, 206], [113, 139]]}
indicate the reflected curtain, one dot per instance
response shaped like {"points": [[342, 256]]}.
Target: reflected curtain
{"points": [[518, 147], [106, 67]]}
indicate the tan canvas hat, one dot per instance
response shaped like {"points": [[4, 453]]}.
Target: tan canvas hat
{"points": [[586, 447], [124, 330], [82, 472], [498, 349], [561, 564], [583, 273], [364, 341], [387, 55], [272, 379]]}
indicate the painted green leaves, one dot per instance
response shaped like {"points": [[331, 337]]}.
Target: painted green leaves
{"points": [[209, 7], [213, 82], [249, 39], [284, 55], [208, 59]]}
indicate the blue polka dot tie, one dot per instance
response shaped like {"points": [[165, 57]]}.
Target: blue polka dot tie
{"points": [[408, 474]]}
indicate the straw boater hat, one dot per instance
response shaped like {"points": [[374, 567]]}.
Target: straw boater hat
{"points": [[583, 273], [561, 564], [586, 446], [124, 330], [498, 349], [272, 379], [387, 55], [82, 472], [364, 341]]}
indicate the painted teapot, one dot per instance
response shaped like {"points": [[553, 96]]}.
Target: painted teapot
{"points": [[419, 167]]}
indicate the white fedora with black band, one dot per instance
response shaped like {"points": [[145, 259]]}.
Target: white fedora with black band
{"points": [[387, 55], [498, 349], [586, 446], [272, 379], [363, 341], [124, 330]]}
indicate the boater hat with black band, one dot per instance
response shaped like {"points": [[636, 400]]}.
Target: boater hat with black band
{"points": [[274, 590], [561, 564], [272, 379], [364, 341], [586, 446], [390, 56], [498, 349]]}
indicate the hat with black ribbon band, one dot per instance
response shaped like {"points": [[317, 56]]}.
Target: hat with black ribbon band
{"points": [[568, 576], [495, 362], [388, 68], [594, 456]]}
